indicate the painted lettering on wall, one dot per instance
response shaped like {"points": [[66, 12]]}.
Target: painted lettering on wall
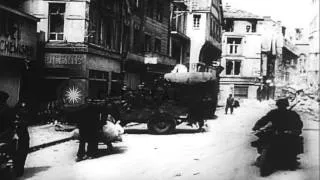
{"points": [[15, 48], [52, 59]]}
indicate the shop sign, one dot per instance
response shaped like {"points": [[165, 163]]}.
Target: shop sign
{"points": [[15, 48], [58, 60], [150, 60]]}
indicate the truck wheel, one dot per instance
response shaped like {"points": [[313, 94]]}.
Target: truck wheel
{"points": [[162, 124]]}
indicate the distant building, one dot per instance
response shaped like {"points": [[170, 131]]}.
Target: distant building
{"points": [[18, 49], [241, 54], [259, 62], [155, 44]]}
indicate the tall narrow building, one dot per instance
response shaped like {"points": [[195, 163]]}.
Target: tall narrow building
{"points": [[204, 25]]}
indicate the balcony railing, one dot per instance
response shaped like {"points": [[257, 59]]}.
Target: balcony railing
{"points": [[234, 49]]}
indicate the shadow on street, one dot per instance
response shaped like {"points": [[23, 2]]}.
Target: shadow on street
{"points": [[105, 151], [32, 171]]}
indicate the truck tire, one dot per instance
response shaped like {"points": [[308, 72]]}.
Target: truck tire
{"points": [[162, 124]]}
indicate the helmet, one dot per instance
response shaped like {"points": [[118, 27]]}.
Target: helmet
{"points": [[282, 102]]}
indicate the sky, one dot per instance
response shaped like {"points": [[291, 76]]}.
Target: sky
{"points": [[292, 13]]}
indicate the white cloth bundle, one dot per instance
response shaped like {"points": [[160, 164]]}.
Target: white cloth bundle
{"points": [[111, 132]]}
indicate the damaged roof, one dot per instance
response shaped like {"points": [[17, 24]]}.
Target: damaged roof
{"points": [[239, 14]]}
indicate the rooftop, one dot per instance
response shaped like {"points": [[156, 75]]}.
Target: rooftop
{"points": [[239, 14]]}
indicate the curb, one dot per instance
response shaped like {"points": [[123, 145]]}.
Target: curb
{"points": [[41, 146]]}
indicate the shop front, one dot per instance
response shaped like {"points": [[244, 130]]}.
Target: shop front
{"points": [[18, 41], [72, 77]]}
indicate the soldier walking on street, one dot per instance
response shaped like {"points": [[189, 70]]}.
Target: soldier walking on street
{"points": [[229, 104]]}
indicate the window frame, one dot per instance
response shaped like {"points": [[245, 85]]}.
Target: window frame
{"points": [[234, 61], [49, 22], [196, 21], [157, 45], [147, 43]]}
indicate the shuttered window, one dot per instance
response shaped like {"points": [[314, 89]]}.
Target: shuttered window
{"points": [[241, 91]]}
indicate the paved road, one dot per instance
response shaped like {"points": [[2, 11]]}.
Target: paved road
{"points": [[222, 153]]}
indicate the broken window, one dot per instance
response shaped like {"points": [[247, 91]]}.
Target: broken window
{"points": [[233, 67], [196, 21], [56, 21]]}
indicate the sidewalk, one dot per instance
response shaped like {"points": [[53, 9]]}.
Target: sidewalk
{"points": [[45, 135]]}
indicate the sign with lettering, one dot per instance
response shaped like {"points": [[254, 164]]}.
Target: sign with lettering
{"points": [[15, 48], [63, 60], [150, 60]]}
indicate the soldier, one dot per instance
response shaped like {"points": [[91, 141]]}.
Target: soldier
{"points": [[284, 121], [88, 117], [229, 104]]}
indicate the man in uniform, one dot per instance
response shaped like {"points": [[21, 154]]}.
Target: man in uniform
{"points": [[286, 122], [229, 104]]}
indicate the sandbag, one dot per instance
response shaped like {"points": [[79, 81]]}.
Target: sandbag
{"points": [[112, 132]]}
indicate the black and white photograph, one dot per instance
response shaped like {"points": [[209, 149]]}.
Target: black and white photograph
{"points": [[159, 90]]}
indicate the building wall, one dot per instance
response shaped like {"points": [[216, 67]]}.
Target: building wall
{"points": [[249, 53], [200, 36], [74, 26], [197, 36], [10, 78], [15, 50]]}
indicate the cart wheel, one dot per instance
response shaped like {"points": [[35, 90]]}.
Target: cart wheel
{"points": [[162, 124]]}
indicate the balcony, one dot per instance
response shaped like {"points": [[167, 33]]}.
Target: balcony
{"points": [[234, 49]]}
